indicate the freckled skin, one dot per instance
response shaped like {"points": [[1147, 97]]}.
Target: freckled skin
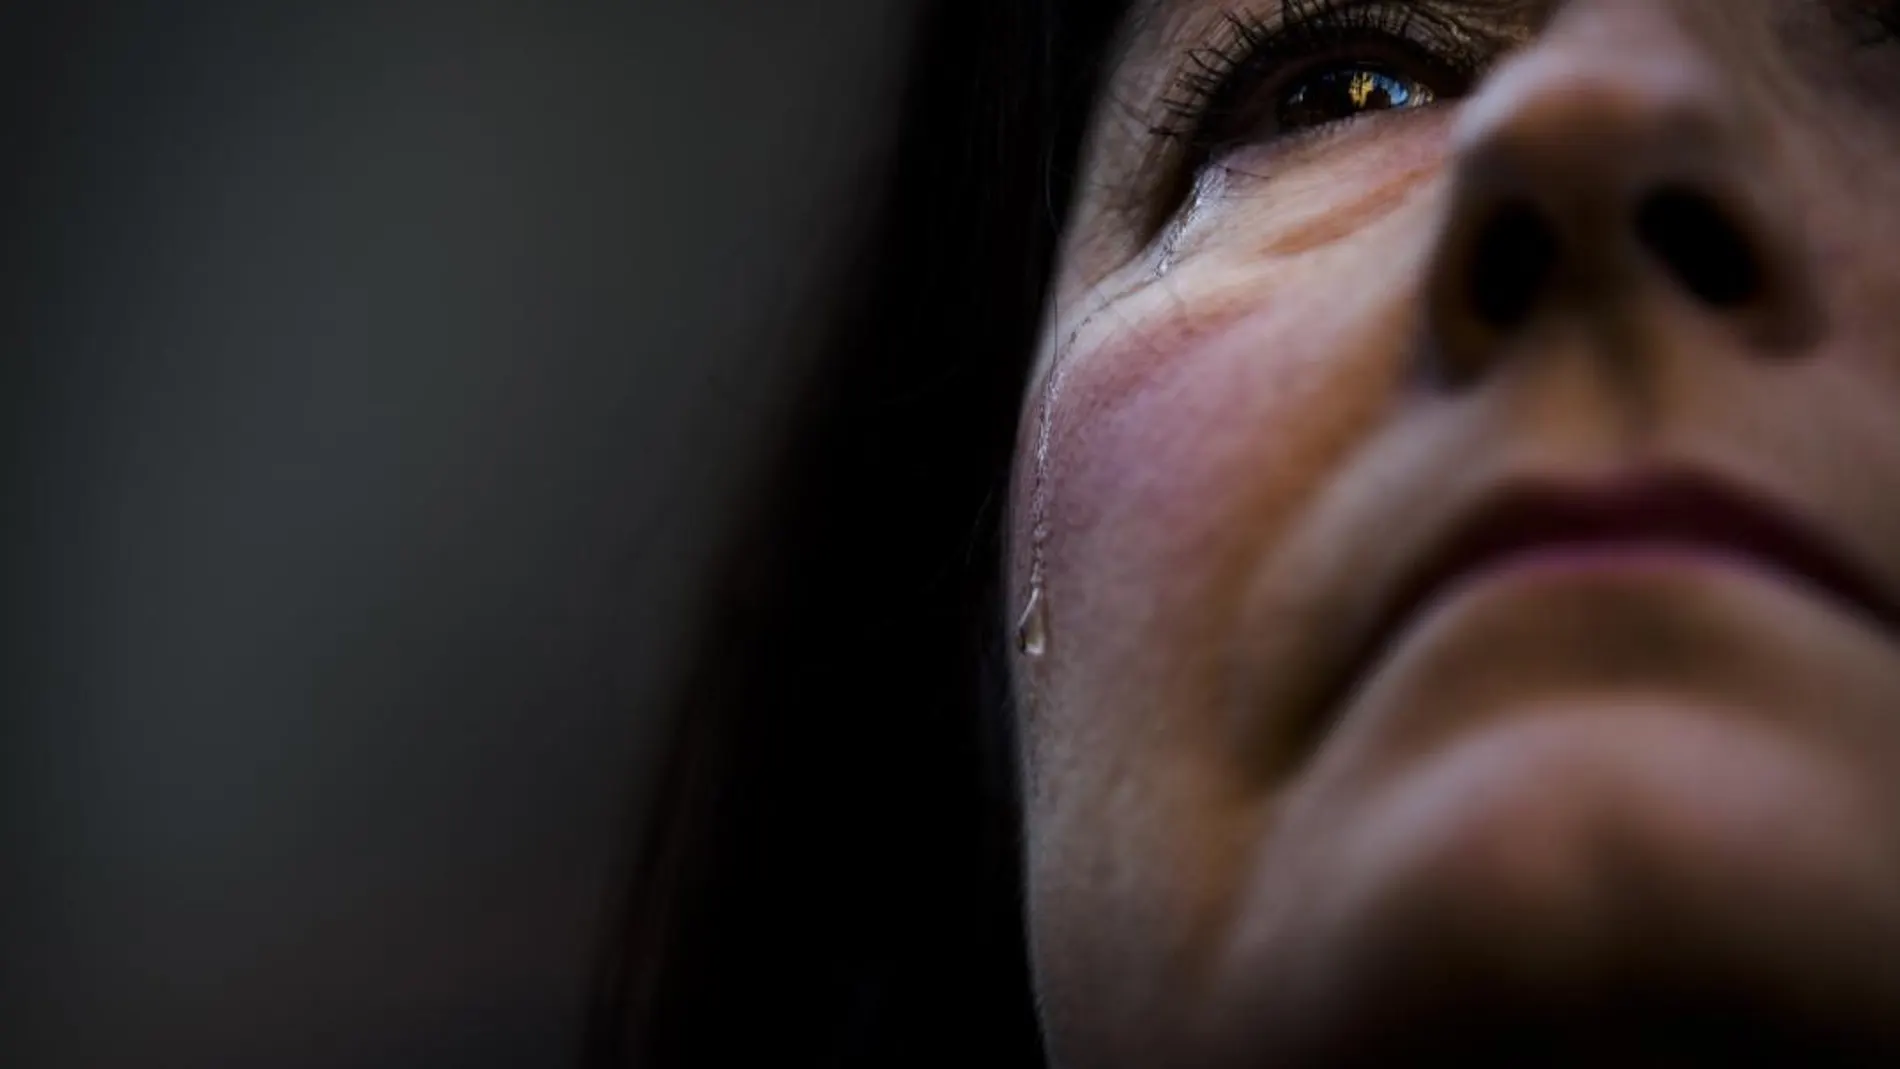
{"points": [[1247, 843]]}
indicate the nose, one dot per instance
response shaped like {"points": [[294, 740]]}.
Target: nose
{"points": [[1594, 177]]}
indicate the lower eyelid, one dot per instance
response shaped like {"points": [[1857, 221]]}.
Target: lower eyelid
{"points": [[1386, 166], [1266, 162], [1318, 135]]}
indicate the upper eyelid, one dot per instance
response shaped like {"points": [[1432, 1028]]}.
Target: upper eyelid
{"points": [[1411, 25], [1162, 33]]}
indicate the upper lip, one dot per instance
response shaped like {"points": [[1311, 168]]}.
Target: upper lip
{"points": [[1672, 509]]}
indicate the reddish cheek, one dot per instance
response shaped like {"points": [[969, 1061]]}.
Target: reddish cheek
{"points": [[1198, 411], [1181, 447], [1145, 428]]}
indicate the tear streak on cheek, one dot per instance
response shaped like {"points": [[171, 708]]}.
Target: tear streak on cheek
{"points": [[1123, 340], [1180, 338], [1180, 448], [1125, 344], [1207, 351]]}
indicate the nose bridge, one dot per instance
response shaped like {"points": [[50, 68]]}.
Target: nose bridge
{"points": [[1613, 154]]}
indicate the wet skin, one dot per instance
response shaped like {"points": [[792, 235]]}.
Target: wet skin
{"points": [[1463, 542]]}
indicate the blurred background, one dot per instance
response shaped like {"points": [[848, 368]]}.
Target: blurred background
{"points": [[377, 379]]}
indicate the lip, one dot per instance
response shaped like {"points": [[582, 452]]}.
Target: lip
{"points": [[1653, 523]]}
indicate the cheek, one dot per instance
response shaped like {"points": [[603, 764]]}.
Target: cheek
{"points": [[1176, 433], [1172, 450], [1182, 430], [1180, 422], [1187, 426]]}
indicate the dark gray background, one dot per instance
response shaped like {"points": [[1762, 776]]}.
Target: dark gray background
{"points": [[376, 376]]}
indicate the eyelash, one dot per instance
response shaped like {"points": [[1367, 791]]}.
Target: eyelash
{"points": [[1219, 84]]}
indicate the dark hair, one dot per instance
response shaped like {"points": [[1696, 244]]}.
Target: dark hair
{"points": [[829, 864]]}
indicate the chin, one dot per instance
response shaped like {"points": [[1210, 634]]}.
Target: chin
{"points": [[1586, 854], [1599, 881]]}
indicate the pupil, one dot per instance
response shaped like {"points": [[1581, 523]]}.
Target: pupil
{"points": [[1343, 93]]}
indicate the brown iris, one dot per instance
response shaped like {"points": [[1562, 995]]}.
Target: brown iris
{"points": [[1345, 92]]}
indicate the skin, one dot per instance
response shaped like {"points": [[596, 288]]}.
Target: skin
{"points": [[1557, 815]]}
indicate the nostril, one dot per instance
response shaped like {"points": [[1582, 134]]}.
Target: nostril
{"points": [[1706, 251], [1513, 255]]}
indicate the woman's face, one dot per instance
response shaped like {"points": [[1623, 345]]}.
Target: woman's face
{"points": [[1457, 531]]}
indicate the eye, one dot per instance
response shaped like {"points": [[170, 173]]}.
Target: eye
{"points": [[1325, 62], [1314, 64], [1337, 93]]}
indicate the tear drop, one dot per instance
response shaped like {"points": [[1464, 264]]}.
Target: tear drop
{"points": [[1210, 185], [1032, 628]]}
